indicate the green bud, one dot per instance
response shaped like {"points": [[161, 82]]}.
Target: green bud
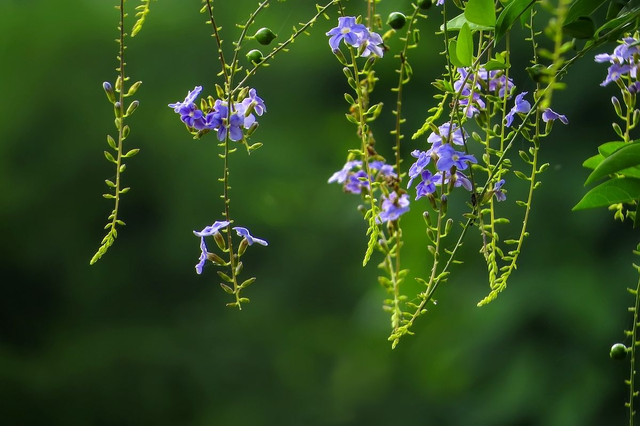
{"points": [[340, 56], [132, 107], [243, 246], [618, 352], [117, 109], [108, 89], [424, 4], [134, 88], [219, 239], [264, 36], [397, 20], [255, 56]]}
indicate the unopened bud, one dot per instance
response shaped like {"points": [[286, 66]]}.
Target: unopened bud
{"points": [[616, 106], [243, 247], [216, 259], [219, 239], [108, 89], [117, 109], [132, 107]]}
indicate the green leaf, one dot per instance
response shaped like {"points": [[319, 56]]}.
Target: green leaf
{"points": [[625, 157], [618, 190], [453, 56], [456, 23], [464, 48], [492, 65], [481, 12], [606, 149], [509, 15], [582, 8], [627, 17], [592, 162], [582, 28]]}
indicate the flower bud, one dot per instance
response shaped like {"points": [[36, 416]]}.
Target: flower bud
{"points": [[255, 56], [219, 239], [134, 88], [108, 89], [424, 4], [443, 203], [132, 107], [427, 218], [616, 106], [216, 259], [243, 246], [117, 109], [397, 20], [252, 129], [340, 56], [264, 36], [618, 352]]}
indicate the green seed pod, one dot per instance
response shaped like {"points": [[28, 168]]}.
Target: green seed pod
{"points": [[618, 352], [264, 36], [255, 56], [397, 20], [424, 4]]}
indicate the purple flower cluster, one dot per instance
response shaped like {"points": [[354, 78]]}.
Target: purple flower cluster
{"points": [[214, 229], [624, 60], [486, 83], [355, 35], [393, 207], [354, 177], [445, 157], [219, 118]]}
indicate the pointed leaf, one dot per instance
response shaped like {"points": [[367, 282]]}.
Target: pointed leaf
{"points": [[618, 190], [581, 8], [456, 23], [512, 12], [453, 56], [625, 157], [481, 12], [464, 48]]}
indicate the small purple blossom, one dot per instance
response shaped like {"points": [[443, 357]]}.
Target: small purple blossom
{"points": [[244, 232], [372, 45], [348, 30], [341, 175], [497, 191], [393, 207], [439, 2], [382, 168], [423, 159], [551, 115], [206, 232], [356, 181], [623, 60], [450, 158], [458, 136], [253, 99], [427, 186], [486, 82], [189, 100], [521, 106]]}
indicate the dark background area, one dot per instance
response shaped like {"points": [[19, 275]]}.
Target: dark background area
{"points": [[140, 339]]}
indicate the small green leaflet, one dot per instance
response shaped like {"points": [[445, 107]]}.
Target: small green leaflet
{"points": [[618, 190]]}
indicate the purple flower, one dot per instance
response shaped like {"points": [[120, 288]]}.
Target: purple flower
{"points": [[356, 181], [372, 45], [382, 168], [439, 2], [348, 30], [450, 157], [341, 175], [203, 256], [244, 232], [521, 106], [393, 207], [207, 231], [423, 159], [253, 99], [427, 186], [457, 136], [497, 191], [551, 115], [189, 100], [225, 124], [488, 82], [623, 60]]}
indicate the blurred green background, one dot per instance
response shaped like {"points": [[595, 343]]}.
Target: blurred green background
{"points": [[140, 339]]}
